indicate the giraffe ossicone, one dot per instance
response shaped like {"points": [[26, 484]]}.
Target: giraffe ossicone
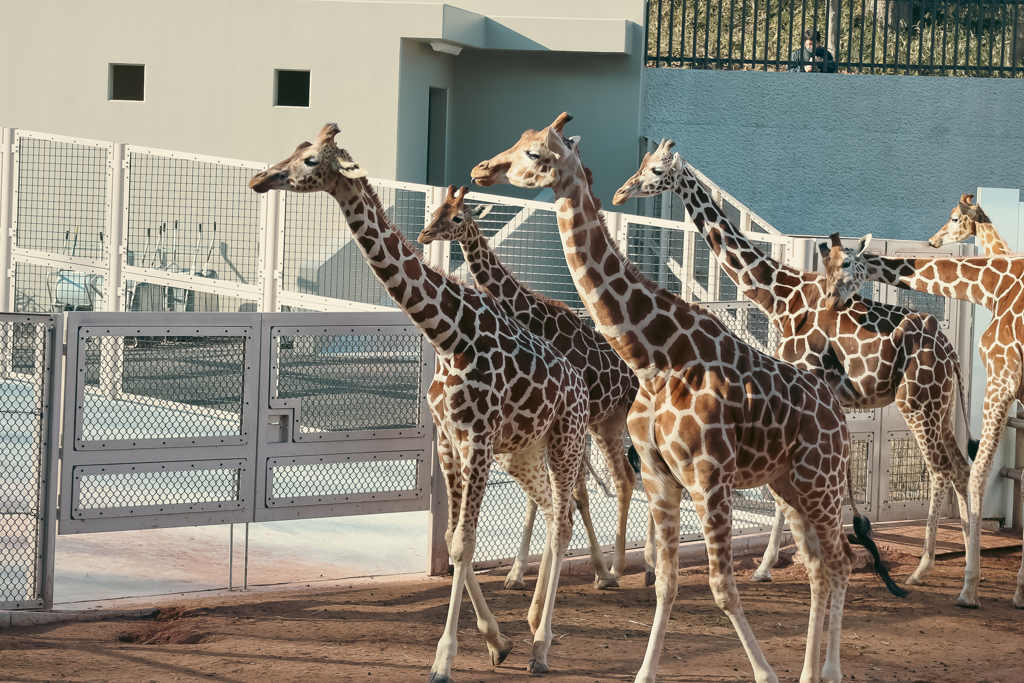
{"points": [[499, 394], [872, 354], [712, 414]]}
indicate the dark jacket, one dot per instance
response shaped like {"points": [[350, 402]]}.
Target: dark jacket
{"points": [[803, 56]]}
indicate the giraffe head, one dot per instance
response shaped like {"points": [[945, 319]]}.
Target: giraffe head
{"points": [[533, 162], [660, 170], [454, 221], [845, 274], [963, 223], [311, 167]]}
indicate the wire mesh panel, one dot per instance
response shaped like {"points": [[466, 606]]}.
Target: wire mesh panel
{"points": [[349, 478], [860, 459], [527, 241], [320, 256], [160, 419], [141, 295], [192, 215], [750, 324], [908, 472], [63, 195], [26, 360], [923, 302], [350, 382], [46, 289], [107, 491], [164, 388]]}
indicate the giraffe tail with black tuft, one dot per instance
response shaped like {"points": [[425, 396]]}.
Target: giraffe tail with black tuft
{"points": [[633, 456], [972, 444], [862, 536]]}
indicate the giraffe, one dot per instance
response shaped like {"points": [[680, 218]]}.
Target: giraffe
{"points": [[612, 386], [871, 353], [712, 414], [968, 219], [498, 393], [997, 283]]}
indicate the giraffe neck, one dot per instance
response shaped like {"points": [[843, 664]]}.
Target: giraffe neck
{"points": [[758, 276], [494, 277], [414, 286], [991, 241], [970, 278], [623, 306]]}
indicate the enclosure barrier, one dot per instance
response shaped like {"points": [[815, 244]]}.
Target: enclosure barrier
{"points": [[174, 414], [915, 37]]}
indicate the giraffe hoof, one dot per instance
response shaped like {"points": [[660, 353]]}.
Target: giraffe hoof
{"points": [[1018, 602], [761, 577], [601, 584], [914, 580], [499, 656], [649, 579], [967, 604], [438, 678], [536, 668], [514, 585]]}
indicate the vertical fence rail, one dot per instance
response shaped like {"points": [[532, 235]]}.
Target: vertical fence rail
{"points": [[980, 38]]}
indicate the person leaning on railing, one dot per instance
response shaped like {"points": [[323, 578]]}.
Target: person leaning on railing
{"points": [[812, 56]]}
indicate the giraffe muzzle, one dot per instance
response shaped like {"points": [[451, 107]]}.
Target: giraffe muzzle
{"points": [[485, 174], [264, 181], [624, 194]]}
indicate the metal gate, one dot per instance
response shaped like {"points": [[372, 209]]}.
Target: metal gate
{"points": [[30, 376], [159, 420], [344, 425]]}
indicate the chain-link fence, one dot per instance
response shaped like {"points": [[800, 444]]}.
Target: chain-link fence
{"points": [[24, 436]]}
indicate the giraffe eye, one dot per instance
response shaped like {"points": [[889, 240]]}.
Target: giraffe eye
{"points": [[456, 219], [311, 161], [532, 156], [657, 171], [846, 263]]}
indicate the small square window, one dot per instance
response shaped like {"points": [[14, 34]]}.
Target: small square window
{"points": [[127, 82], [291, 88]]}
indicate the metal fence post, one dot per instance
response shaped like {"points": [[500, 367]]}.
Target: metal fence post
{"points": [[437, 546], [6, 217], [1016, 522], [273, 257]]}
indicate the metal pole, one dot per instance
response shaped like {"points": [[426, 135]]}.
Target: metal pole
{"points": [[245, 570], [7, 187], [231, 554]]}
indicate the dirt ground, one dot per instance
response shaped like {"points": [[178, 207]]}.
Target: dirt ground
{"points": [[389, 629]]}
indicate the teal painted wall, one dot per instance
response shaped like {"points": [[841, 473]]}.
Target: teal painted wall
{"points": [[815, 153]]}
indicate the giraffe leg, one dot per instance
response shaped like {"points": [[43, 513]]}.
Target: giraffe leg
{"points": [[514, 579], [937, 498], [602, 578], [650, 550], [771, 553], [715, 511], [609, 440], [995, 408], [663, 498], [498, 645], [567, 444], [461, 546]]}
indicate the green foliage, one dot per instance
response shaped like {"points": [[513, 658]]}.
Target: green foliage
{"points": [[920, 37]]}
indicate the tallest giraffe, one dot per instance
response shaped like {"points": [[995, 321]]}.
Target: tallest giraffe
{"points": [[712, 414]]}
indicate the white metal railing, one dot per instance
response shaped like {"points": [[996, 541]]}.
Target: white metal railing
{"points": [[103, 226]]}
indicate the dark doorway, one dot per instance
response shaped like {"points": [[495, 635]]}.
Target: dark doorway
{"points": [[437, 136]]}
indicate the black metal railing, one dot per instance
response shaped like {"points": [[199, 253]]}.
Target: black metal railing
{"points": [[916, 37]]}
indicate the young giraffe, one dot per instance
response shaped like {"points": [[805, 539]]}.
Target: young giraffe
{"points": [[871, 353], [612, 387], [997, 283], [712, 414], [966, 220], [498, 392]]}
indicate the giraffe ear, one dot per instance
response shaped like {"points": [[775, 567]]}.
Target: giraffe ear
{"points": [[349, 169], [863, 244], [677, 162], [553, 141], [972, 212], [480, 211], [572, 142]]}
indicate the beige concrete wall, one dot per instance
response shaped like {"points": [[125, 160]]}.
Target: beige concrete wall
{"points": [[210, 67]]}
